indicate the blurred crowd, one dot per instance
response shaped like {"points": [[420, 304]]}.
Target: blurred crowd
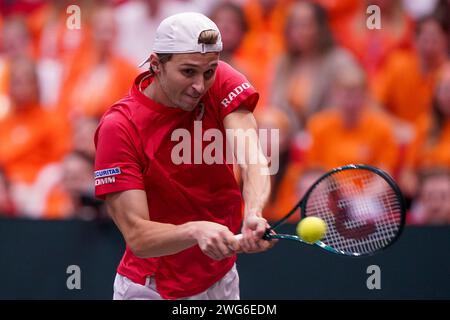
{"points": [[339, 91]]}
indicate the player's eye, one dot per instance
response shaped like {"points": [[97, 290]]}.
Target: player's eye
{"points": [[208, 74], [188, 72]]}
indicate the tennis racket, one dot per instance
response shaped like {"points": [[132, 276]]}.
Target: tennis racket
{"points": [[362, 206]]}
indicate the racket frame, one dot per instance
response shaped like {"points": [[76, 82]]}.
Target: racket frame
{"points": [[301, 205]]}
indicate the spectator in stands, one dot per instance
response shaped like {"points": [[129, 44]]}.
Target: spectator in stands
{"points": [[263, 42], [431, 146], [59, 43], [351, 132], [405, 86], [230, 19], [373, 45], [73, 195], [56, 39], [31, 137], [16, 38], [98, 77], [305, 71], [433, 204], [82, 137], [275, 119], [442, 11], [15, 42]]}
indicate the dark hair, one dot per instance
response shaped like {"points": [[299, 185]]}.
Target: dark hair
{"points": [[442, 12], [434, 17], [438, 117], [325, 38], [236, 10], [437, 123], [163, 58]]}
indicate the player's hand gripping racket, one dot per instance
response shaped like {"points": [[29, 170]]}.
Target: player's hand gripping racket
{"points": [[361, 205]]}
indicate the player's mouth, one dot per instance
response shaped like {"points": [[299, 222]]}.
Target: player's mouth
{"points": [[193, 98]]}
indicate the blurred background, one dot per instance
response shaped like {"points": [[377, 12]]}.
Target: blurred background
{"points": [[339, 91]]}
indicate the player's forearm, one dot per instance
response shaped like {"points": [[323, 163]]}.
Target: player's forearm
{"points": [[154, 239], [144, 237], [256, 189]]}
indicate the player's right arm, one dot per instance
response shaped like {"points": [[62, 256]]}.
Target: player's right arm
{"points": [[120, 164], [148, 238]]}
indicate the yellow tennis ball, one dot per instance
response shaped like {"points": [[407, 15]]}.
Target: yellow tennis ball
{"points": [[311, 229]]}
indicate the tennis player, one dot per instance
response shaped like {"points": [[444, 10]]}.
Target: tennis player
{"points": [[179, 219]]}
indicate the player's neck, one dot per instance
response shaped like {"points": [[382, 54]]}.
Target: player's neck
{"points": [[156, 93]]}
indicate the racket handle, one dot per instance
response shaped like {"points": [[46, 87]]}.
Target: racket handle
{"points": [[266, 236]]}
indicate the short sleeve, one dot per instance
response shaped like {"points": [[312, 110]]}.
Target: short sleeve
{"points": [[118, 166], [233, 90]]}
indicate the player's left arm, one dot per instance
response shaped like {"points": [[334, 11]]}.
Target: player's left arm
{"points": [[256, 180]]}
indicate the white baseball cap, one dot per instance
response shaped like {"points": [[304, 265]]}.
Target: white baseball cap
{"points": [[179, 34]]}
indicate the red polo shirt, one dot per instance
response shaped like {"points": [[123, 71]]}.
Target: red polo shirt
{"points": [[135, 141]]}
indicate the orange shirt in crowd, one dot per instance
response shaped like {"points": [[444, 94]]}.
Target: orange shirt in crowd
{"points": [[241, 62], [58, 204], [373, 46], [263, 42], [287, 195], [4, 77], [30, 139], [403, 89], [371, 142], [265, 33], [91, 87], [59, 42], [36, 21], [423, 154]]}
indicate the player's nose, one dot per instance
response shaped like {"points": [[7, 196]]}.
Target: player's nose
{"points": [[199, 85]]}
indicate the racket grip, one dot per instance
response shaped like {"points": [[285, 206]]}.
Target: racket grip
{"points": [[266, 235]]}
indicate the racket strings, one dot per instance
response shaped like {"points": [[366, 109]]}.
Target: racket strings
{"points": [[362, 211]]}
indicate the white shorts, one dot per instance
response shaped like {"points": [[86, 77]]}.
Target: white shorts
{"points": [[226, 288]]}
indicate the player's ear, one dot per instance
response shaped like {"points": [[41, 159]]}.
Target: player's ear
{"points": [[155, 63], [155, 68]]}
